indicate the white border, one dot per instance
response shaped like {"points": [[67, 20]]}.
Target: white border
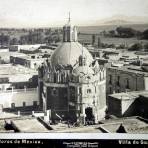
{"points": [[73, 136]]}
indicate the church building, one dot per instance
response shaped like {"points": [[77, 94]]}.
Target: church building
{"points": [[71, 84]]}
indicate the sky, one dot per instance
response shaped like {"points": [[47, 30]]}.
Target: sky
{"points": [[44, 13]]}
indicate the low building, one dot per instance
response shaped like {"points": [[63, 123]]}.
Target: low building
{"points": [[5, 56], [15, 48], [130, 125], [111, 54], [4, 49], [17, 77], [128, 104], [19, 99], [125, 79], [32, 61]]}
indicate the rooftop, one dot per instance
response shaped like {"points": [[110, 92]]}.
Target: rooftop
{"points": [[132, 125], [9, 69], [130, 69], [3, 54], [16, 73], [130, 95], [28, 125]]}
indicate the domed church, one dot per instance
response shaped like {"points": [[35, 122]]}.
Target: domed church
{"points": [[71, 83]]}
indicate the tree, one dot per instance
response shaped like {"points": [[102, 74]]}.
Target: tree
{"points": [[4, 39], [14, 41], [126, 32], [112, 33], [121, 46], [145, 34], [136, 47]]}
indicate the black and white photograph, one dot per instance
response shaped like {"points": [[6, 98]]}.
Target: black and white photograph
{"points": [[74, 67]]}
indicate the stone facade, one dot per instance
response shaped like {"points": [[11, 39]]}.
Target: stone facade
{"points": [[124, 79]]}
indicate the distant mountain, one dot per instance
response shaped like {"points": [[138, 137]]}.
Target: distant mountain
{"points": [[117, 22], [121, 20]]}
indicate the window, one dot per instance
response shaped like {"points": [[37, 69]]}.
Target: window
{"points": [[24, 104], [110, 79], [127, 83], [118, 80], [34, 103], [80, 90], [54, 77], [88, 91], [12, 105], [110, 90]]}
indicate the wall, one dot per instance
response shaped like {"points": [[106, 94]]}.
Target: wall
{"points": [[128, 107], [18, 97], [136, 81], [146, 83], [114, 106]]}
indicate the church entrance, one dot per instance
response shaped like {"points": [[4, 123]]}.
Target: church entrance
{"points": [[89, 119]]}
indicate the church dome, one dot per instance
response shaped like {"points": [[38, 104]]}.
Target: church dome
{"points": [[68, 53], [83, 70]]}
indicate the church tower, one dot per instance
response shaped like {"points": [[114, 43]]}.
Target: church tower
{"points": [[69, 32]]}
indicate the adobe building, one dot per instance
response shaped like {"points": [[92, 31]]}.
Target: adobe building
{"points": [[18, 88], [128, 104], [17, 77], [126, 78], [70, 85]]}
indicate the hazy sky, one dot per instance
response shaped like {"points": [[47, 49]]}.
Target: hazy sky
{"points": [[43, 13]]}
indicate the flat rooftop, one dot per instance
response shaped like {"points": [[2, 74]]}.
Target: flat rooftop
{"points": [[8, 54], [16, 73], [132, 125], [130, 69], [29, 125], [9, 69], [129, 95]]}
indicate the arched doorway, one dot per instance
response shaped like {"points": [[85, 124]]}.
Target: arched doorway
{"points": [[89, 119]]}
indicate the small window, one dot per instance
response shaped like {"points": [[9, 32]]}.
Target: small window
{"points": [[12, 105], [110, 90], [88, 91], [24, 104], [80, 90], [118, 81], [127, 84], [110, 79], [34, 103]]}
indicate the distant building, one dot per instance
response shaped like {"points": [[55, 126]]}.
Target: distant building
{"points": [[17, 77], [5, 56], [18, 48], [70, 85], [4, 49], [125, 79], [32, 61], [111, 54]]}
